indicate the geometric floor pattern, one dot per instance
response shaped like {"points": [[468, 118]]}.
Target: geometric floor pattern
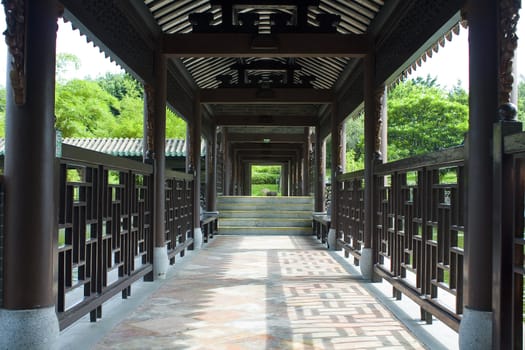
{"points": [[261, 292]]}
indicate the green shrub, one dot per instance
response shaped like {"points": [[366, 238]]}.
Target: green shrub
{"points": [[264, 178]]}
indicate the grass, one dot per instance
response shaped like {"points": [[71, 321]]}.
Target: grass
{"points": [[257, 189]]}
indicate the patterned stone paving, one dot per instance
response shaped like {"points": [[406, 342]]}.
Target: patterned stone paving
{"points": [[261, 292]]}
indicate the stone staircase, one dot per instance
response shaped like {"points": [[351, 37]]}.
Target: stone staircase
{"points": [[243, 215]]}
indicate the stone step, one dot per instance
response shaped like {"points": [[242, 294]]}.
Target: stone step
{"points": [[276, 231], [243, 215], [264, 206], [292, 214], [265, 222], [266, 199]]}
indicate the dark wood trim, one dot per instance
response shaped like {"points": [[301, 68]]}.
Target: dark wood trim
{"points": [[82, 155], [266, 96], [180, 247], [279, 45], [178, 175], [449, 156], [263, 120], [258, 138], [69, 317], [448, 318]]}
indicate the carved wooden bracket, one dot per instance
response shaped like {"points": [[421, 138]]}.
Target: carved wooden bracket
{"points": [[379, 101], [149, 93], [15, 15], [508, 43]]}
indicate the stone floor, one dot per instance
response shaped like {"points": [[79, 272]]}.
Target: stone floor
{"points": [[260, 292]]}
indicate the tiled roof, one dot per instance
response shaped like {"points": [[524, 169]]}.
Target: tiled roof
{"points": [[123, 147]]}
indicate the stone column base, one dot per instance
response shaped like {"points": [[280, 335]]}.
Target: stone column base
{"points": [[197, 238], [366, 263], [475, 330], [332, 239], [160, 262], [29, 329]]}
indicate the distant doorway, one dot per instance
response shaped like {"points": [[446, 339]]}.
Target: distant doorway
{"points": [[266, 179]]}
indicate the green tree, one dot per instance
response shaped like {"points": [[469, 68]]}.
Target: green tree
{"points": [[121, 85], [84, 109], [423, 117]]}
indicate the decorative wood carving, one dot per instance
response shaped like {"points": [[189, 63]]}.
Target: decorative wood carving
{"points": [[379, 101], [508, 43], [15, 15], [190, 166], [149, 93]]}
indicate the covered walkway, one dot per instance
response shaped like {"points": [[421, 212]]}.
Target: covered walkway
{"points": [[254, 292]]}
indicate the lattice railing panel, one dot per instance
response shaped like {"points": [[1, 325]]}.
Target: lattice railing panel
{"points": [[104, 230], [179, 212]]}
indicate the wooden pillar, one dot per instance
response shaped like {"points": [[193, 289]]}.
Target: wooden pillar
{"points": [[373, 147], [320, 173], [226, 164], [247, 178], [211, 173], [370, 147], [476, 326], [292, 177], [306, 163], [159, 144], [196, 163], [235, 173], [338, 166], [285, 178], [30, 247]]}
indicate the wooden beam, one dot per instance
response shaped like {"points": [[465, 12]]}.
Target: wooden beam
{"points": [[278, 45], [265, 120], [259, 138], [266, 96], [268, 147]]}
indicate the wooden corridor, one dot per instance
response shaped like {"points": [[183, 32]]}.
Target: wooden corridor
{"points": [[258, 292]]}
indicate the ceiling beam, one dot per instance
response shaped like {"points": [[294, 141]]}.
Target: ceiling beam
{"points": [[259, 138], [265, 120], [277, 45], [266, 96], [268, 147]]}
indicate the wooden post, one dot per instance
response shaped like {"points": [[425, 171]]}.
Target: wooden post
{"points": [[211, 173], [371, 155], [320, 156], [338, 166], [226, 163], [160, 253], [30, 247], [196, 161], [285, 178], [476, 326], [306, 163]]}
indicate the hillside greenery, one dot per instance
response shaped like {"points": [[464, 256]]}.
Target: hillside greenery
{"points": [[422, 115]]}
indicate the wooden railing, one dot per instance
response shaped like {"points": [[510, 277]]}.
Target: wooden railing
{"points": [[350, 211], [104, 230], [512, 243], [179, 213], [418, 230], [105, 233]]}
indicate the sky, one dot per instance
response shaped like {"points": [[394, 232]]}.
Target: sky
{"points": [[449, 65]]}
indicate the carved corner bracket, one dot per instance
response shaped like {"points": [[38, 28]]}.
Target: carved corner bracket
{"points": [[508, 22], [15, 14], [149, 93], [379, 102]]}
